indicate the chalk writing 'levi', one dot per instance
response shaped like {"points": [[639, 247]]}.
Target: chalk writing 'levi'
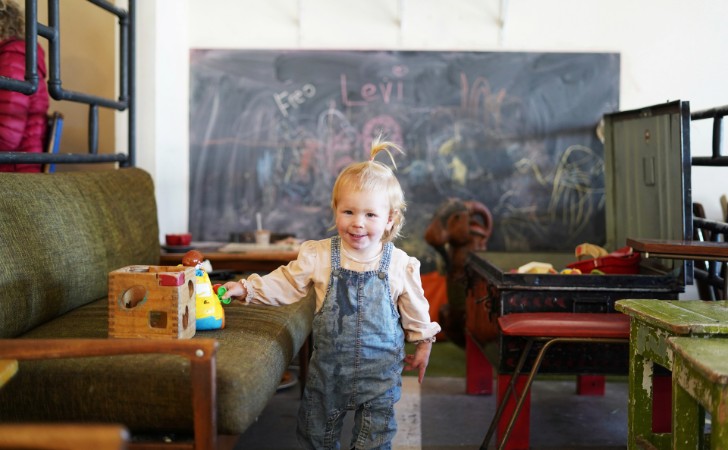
{"points": [[370, 92]]}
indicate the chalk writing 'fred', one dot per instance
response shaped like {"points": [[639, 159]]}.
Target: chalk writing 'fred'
{"points": [[285, 100], [371, 92]]}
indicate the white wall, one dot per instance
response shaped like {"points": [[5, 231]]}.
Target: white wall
{"points": [[163, 106], [670, 49]]}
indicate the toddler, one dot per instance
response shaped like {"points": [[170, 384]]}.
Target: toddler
{"points": [[369, 300]]}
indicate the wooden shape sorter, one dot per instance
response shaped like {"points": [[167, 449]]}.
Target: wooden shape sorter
{"points": [[152, 302]]}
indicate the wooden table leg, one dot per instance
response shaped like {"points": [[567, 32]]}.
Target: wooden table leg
{"points": [[688, 419], [639, 408]]}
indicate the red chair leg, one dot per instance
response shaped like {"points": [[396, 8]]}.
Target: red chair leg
{"points": [[520, 434], [590, 385], [478, 370]]}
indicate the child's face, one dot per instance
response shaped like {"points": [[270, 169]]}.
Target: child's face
{"points": [[362, 218]]}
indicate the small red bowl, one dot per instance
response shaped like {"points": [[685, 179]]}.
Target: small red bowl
{"points": [[178, 239]]}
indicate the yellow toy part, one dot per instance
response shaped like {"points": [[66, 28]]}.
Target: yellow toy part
{"points": [[210, 314], [536, 267], [589, 250]]}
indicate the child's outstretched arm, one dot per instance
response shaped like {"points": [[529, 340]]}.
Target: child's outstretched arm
{"points": [[420, 359]]}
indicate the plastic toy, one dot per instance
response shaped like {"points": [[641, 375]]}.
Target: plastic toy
{"points": [[209, 312], [220, 290], [536, 267]]}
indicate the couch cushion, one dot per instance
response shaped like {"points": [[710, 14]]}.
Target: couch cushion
{"points": [[62, 233], [256, 346]]}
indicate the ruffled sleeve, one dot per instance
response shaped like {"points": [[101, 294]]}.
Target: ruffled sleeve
{"points": [[413, 306], [287, 284]]}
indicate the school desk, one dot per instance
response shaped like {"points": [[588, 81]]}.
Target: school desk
{"points": [[677, 249]]}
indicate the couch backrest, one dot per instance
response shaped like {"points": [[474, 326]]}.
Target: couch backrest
{"points": [[61, 234]]}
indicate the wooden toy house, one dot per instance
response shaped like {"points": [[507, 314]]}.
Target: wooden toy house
{"points": [[152, 302]]}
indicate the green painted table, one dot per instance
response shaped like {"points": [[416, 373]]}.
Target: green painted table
{"points": [[652, 323], [699, 383]]}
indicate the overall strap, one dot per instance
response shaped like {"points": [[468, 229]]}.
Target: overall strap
{"points": [[335, 255], [386, 258]]}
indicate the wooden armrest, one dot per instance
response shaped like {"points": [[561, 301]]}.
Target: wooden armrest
{"points": [[29, 349], [201, 354], [63, 436]]}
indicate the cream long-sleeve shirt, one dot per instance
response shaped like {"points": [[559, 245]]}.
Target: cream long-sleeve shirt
{"points": [[312, 269]]}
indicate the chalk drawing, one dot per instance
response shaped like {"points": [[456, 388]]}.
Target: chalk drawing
{"points": [[270, 130]]}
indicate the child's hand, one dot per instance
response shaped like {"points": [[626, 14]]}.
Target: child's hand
{"points": [[234, 289], [419, 360]]}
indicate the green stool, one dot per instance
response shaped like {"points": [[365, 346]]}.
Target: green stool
{"points": [[699, 383]]}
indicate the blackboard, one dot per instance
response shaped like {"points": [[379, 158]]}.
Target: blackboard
{"points": [[516, 131]]}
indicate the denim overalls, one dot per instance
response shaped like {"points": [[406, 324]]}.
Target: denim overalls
{"points": [[357, 360]]}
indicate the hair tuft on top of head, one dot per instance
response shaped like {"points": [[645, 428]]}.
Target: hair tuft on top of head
{"points": [[378, 146]]}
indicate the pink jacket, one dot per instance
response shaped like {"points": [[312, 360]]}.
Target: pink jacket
{"points": [[23, 118]]}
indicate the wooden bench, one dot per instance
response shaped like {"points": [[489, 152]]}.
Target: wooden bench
{"points": [[699, 383]]}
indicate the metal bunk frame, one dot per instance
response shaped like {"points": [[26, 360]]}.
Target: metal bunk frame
{"points": [[711, 273], [127, 55], [717, 114]]}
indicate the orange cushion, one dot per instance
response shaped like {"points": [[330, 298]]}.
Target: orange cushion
{"points": [[435, 286]]}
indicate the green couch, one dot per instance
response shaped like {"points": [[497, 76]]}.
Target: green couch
{"points": [[60, 236]]}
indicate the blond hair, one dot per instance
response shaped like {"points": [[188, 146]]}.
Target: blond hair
{"points": [[12, 21], [374, 176]]}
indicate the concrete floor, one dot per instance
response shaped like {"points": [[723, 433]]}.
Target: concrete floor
{"points": [[439, 416]]}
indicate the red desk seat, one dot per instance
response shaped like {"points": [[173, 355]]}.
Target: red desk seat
{"points": [[552, 324], [550, 328]]}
